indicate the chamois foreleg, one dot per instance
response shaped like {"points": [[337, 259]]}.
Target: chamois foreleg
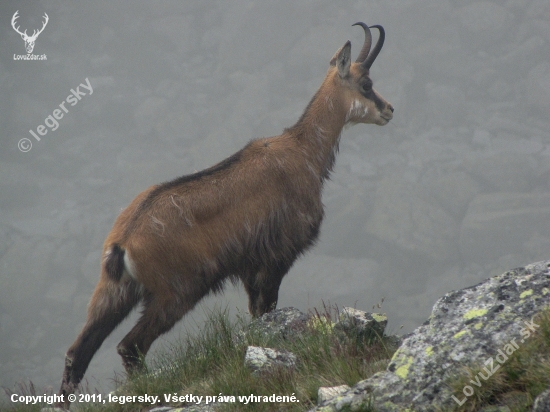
{"points": [[159, 315], [263, 290], [111, 302]]}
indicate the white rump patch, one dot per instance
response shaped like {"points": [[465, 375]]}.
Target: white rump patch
{"points": [[129, 266]]}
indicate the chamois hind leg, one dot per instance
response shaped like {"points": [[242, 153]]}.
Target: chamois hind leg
{"points": [[111, 302], [158, 317], [263, 291]]}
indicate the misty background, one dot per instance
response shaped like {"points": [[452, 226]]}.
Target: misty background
{"points": [[455, 189]]}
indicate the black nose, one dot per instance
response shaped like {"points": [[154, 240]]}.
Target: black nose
{"points": [[390, 107]]}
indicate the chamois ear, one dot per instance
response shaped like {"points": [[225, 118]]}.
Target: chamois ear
{"points": [[342, 59]]}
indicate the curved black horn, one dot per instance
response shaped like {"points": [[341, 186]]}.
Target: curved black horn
{"points": [[374, 53], [366, 45]]}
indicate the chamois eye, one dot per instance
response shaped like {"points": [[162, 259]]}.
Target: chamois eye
{"points": [[367, 86]]}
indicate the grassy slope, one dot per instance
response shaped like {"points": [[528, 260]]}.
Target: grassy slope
{"points": [[211, 364]]}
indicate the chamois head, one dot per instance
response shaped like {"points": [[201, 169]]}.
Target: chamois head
{"points": [[364, 104]]}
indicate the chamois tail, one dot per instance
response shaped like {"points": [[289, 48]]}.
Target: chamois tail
{"points": [[114, 263]]}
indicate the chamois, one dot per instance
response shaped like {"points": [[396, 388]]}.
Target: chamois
{"points": [[248, 217]]}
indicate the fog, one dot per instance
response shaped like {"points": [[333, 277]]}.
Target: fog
{"points": [[453, 190]]}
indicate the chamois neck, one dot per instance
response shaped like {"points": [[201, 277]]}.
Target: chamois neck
{"points": [[318, 129]]}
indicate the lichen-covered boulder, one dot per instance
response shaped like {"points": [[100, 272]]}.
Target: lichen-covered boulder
{"points": [[466, 327], [264, 359], [360, 324], [281, 323], [326, 393]]}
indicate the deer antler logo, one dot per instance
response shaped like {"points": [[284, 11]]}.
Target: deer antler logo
{"points": [[29, 40]]}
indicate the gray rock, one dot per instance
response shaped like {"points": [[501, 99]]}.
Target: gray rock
{"points": [[326, 393], [280, 322], [466, 328], [263, 359], [356, 323], [542, 402]]}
